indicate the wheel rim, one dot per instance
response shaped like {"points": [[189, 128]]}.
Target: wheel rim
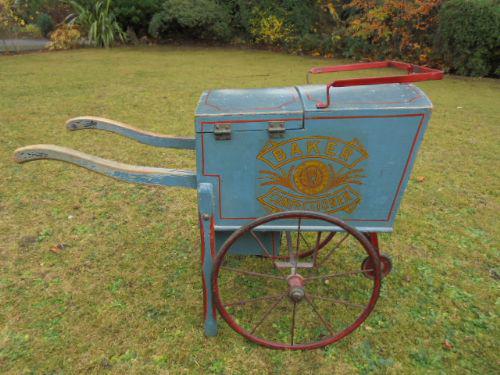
{"points": [[292, 304]]}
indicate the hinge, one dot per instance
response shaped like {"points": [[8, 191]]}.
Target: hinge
{"points": [[222, 132], [276, 129]]}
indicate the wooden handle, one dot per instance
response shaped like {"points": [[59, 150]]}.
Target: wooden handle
{"points": [[149, 138], [120, 171]]}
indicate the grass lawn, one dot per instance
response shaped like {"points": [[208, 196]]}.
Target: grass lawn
{"points": [[125, 295]]}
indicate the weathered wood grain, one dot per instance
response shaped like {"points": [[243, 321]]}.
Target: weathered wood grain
{"points": [[149, 138], [120, 171]]}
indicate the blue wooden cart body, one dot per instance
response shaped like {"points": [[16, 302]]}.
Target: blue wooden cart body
{"points": [[370, 133]]}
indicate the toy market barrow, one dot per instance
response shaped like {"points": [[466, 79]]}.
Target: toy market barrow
{"points": [[281, 174]]}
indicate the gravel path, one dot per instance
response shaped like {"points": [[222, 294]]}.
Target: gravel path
{"points": [[13, 45]]}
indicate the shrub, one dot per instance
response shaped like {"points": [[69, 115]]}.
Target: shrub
{"points": [[135, 14], [30, 31], [66, 36], [198, 19], [468, 37], [99, 22], [391, 29], [269, 29], [45, 23], [30, 10]]}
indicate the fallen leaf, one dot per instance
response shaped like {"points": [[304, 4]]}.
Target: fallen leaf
{"points": [[447, 345], [58, 248], [420, 178]]}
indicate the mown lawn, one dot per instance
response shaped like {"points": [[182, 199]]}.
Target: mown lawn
{"points": [[124, 296]]}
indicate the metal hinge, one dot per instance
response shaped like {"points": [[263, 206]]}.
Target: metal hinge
{"points": [[276, 129], [222, 132]]}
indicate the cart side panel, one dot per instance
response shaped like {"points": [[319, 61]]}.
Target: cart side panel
{"points": [[353, 162]]}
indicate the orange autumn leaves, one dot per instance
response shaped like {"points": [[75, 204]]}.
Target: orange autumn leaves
{"points": [[403, 28]]}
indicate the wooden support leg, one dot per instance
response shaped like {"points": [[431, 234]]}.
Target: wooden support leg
{"points": [[208, 253]]}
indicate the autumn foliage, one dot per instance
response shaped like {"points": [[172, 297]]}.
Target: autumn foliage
{"points": [[399, 29]]}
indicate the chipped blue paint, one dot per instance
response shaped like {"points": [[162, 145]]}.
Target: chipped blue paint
{"points": [[206, 207], [148, 138]]}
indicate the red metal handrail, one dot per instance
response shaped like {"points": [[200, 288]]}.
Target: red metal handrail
{"points": [[416, 73]]}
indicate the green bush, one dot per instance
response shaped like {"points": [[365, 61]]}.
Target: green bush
{"points": [[197, 19], [135, 14], [45, 23], [468, 37], [30, 31]]}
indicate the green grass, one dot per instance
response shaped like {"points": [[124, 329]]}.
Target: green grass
{"points": [[125, 295]]}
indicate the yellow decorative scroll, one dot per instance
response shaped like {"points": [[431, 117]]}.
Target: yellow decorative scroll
{"points": [[312, 173], [344, 199]]}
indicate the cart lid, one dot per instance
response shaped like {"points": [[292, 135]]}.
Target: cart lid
{"points": [[235, 102], [296, 100], [387, 96]]}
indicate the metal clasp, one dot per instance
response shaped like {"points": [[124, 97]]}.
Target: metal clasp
{"points": [[276, 129], [222, 132]]}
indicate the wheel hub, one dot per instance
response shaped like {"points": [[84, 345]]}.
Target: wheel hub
{"points": [[296, 290]]}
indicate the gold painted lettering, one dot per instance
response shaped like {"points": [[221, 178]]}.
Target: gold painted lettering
{"points": [[279, 155], [312, 146], [330, 148], [296, 149]]}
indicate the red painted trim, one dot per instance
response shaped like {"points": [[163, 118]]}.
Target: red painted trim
{"points": [[405, 170]]}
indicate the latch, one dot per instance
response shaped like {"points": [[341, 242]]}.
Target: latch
{"points": [[276, 129], [222, 132]]}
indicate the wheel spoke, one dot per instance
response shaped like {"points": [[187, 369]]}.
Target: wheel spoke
{"points": [[337, 275], [330, 253], [244, 302], [325, 323], [305, 240], [316, 249], [289, 245], [294, 312], [297, 250], [267, 313], [252, 273], [339, 301], [261, 245]]}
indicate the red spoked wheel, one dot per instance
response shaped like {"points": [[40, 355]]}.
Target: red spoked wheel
{"points": [[294, 302]]}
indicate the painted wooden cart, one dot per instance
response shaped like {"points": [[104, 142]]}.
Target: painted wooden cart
{"points": [[294, 184]]}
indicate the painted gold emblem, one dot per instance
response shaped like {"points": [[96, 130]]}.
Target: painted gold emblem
{"points": [[312, 173]]}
